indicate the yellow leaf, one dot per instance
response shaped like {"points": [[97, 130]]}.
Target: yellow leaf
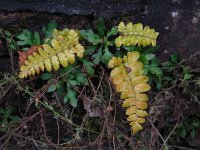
{"points": [[135, 127], [142, 113], [129, 102], [121, 27], [143, 87], [133, 34], [141, 97], [70, 57], [47, 64], [55, 63], [114, 62], [131, 110], [141, 105], [128, 79], [41, 65], [139, 80], [63, 59]]}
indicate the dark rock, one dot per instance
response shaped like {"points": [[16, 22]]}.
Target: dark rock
{"points": [[106, 8]]}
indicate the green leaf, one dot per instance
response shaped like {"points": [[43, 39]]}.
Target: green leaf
{"points": [[27, 33], [132, 48], [155, 62], [52, 88], [158, 84], [21, 43], [73, 82], [167, 64], [7, 33], [60, 91], [66, 99], [146, 69], [101, 28], [187, 76], [72, 97], [80, 77], [25, 49], [174, 58], [25, 38], [183, 133], [196, 124], [143, 60], [36, 38], [12, 46], [46, 76], [52, 25], [89, 67], [150, 49], [192, 133], [108, 43], [167, 78], [149, 56], [156, 70], [49, 29], [113, 31], [90, 50], [98, 56], [106, 56], [59, 84], [44, 29], [7, 112], [90, 36]]}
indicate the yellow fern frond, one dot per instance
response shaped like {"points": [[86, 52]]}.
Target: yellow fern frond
{"points": [[128, 79], [133, 34], [64, 46]]}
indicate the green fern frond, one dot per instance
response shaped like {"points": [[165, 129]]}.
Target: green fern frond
{"points": [[64, 45]]}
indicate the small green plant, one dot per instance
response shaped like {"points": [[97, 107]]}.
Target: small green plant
{"points": [[152, 67], [26, 38], [7, 119], [9, 39], [70, 79], [99, 42], [48, 30]]}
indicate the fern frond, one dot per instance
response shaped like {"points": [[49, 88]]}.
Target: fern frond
{"points": [[128, 79], [133, 34], [64, 46]]}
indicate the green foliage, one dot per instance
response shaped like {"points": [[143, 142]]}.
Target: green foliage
{"points": [[88, 66], [186, 72], [99, 42], [188, 127], [48, 30], [70, 77], [6, 119], [27, 38], [46, 76], [152, 66], [9, 39]]}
